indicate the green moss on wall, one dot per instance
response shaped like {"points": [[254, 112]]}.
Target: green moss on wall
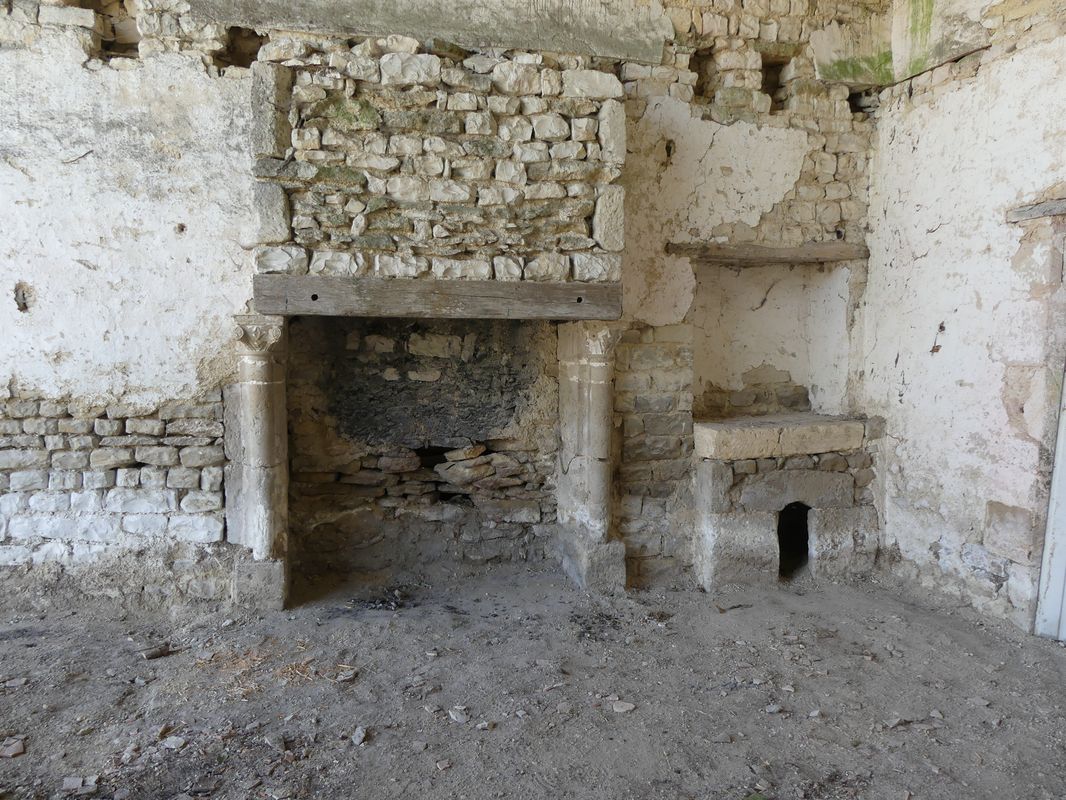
{"points": [[875, 70]]}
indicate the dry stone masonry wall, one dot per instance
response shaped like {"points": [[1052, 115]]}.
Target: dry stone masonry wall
{"points": [[432, 161], [76, 480]]}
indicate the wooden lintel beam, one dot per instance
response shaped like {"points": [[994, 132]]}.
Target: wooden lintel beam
{"points": [[741, 255], [435, 299], [1049, 208]]}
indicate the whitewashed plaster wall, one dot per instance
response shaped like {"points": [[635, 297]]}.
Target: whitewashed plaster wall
{"points": [[792, 320], [124, 194], [969, 410], [685, 177]]}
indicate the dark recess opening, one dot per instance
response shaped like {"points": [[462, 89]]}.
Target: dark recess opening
{"points": [[792, 539], [702, 63], [242, 48], [771, 81]]}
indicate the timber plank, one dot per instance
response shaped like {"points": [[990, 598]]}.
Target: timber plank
{"points": [[435, 299], [740, 255], [1050, 208]]}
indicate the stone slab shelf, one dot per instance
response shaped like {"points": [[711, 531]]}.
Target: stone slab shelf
{"points": [[435, 299], [755, 255], [776, 436]]}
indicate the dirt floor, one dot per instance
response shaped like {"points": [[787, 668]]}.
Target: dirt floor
{"points": [[515, 685]]}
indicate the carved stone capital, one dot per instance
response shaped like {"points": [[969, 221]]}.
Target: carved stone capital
{"points": [[259, 334], [589, 342]]}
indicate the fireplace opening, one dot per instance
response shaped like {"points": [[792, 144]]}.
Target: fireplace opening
{"points": [[419, 444], [792, 539]]}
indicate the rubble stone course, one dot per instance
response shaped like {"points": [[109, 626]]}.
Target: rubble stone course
{"points": [[409, 164], [71, 474]]}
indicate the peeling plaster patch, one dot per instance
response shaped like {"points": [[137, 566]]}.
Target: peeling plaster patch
{"points": [[23, 296], [684, 177]]}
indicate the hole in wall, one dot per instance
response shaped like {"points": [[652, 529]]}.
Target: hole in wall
{"points": [[119, 35], [771, 80], [23, 296], [863, 102], [702, 63], [242, 48], [792, 539]]}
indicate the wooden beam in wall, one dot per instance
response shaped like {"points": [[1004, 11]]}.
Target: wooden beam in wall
{"points": [[755, 255], [1050, 208], [435, 299]]}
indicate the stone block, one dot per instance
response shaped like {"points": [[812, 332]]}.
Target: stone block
{"points": [[157, 456], [28, 480], [197, 501], [270, 222], [153, 477], [551, 127], [195, 527], [597, 267], [145, 524], [593, 566], [99, 527], [128, 478], [202, 456], [64, 480], [548, 267], [736, 548], [507, 268], [111, 457], [608, 221], [287, 259], [194, 427], [776, 435], [407, 69], [773, 491], [146, 427], [712, 483], [591, 83], [141, 501], [49, 502], [516, 79], [842, 542], [211, 479], [98, 479], [462, 269], [23, 459]]}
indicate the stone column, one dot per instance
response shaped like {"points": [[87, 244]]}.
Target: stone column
{"points": [[586, 468], [257, 473]]}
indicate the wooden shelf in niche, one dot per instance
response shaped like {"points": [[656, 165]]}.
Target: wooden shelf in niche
{"points": [[758, 255]]}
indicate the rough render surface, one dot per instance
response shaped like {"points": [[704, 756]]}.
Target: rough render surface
{"points": [[126, 196], [616, 29], [961, 354]]}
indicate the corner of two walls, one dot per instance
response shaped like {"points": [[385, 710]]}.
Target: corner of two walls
{"points": [[963, 347]]}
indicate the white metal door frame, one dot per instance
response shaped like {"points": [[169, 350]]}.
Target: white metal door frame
{"points": [[1051, 602]]}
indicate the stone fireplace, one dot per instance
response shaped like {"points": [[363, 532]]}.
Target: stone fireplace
{"points": [[429, 375]]}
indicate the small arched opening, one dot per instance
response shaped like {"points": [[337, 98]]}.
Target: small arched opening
{"points": [[792, 539]]}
